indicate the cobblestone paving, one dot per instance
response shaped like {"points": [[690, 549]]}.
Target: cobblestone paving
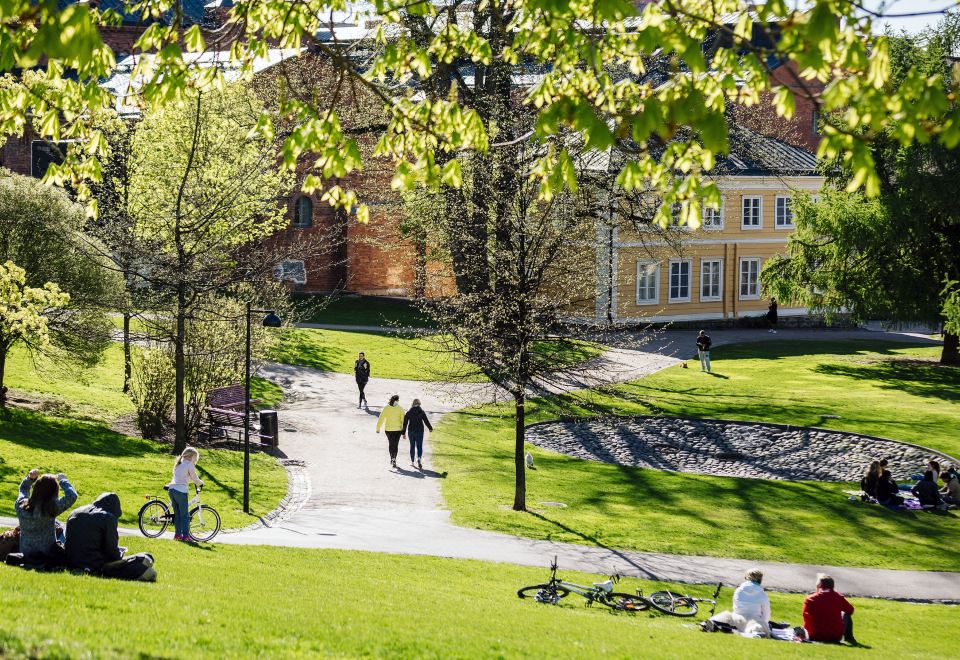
{"points": [[729, 449]]}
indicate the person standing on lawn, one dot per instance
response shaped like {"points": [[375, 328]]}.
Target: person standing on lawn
{"points": [[391, 420], [772, 315], [413, 423], [184, 472], [703, 350], [361, 369]]}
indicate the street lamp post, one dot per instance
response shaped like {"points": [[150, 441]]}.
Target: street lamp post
{"points": [[271, 320]]}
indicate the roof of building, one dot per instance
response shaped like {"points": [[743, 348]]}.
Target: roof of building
{"points": [[754, 154], [193, 10]]}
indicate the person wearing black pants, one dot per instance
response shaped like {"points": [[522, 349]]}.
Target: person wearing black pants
{"points": [[391, 421], [361, 369], [413, 423], [772, 315]]}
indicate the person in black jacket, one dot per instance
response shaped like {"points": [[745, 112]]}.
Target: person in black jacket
{"points": [[413, 423], [926, 490], [361, 369], [772, 315], [92, 543], [703, 350]]}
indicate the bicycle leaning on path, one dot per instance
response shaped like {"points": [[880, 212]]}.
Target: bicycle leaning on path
{"points": [[156, 515], [552, 592]]}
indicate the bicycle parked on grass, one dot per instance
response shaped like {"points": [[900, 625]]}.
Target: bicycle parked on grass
{"points": [[156, 515], [670, 602], [556, 589]]}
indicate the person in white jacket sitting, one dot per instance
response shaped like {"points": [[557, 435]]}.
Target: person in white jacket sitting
{"points": [[751, 602]]}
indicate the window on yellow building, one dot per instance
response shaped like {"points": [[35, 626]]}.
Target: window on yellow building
{"points": [[751, 215], [648, 282], [711, 279], [784, 212], [680, 280], [711, 218], [750, 278]]}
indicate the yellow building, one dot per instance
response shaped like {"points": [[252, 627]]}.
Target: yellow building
{"points": [[711, 273]]}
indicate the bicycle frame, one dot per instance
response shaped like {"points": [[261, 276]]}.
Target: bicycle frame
{"points": [[590, 593]]}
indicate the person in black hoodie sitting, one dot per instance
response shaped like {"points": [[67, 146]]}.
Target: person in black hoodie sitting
{"points": [[926, 490], [413, 423], [92, 543]]}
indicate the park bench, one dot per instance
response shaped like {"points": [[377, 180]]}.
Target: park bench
{"points": [[228, 397], [225, 415]]}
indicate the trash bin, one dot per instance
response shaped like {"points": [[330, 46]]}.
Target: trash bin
{"points": [[269, 426]]}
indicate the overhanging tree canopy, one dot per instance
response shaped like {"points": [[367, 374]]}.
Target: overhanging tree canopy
{"points": [[571, 42]]}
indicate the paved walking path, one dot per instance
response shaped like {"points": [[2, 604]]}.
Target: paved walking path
{"points": [[358, 502]]}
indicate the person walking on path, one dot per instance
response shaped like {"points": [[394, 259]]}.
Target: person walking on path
{"points": [[772, 315], [413, 423], [184, 471], [37, 508], [703, 350], [361, 369], [391, 420]]}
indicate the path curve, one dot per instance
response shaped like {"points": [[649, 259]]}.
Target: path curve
{"points": [[357, 502]]}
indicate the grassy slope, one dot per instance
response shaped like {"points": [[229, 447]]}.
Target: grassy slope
{"points": [[354, 310], [692, 514], [390, 355], [227, 601], [96, 459], [77, 441]]}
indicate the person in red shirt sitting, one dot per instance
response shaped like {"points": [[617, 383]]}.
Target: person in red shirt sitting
{"points": [[827, 615]]}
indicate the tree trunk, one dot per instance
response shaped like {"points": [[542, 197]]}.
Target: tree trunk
{"points": [[126, 353], [180, 423], [951, 349], [520, 486], [3, 366]]}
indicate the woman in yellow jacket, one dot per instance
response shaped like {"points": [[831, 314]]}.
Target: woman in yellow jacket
{"points": [[391, 420]]}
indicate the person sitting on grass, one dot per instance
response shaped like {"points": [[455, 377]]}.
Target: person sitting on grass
{"points": [[888, 492], [926, 490], [871, 479], [37, 509], [827, 615], [93, 543], [751, 602], [950, 493]]}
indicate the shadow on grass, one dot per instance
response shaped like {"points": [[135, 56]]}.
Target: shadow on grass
{"points": [[37, 431], [910, 376], [774, 350]]}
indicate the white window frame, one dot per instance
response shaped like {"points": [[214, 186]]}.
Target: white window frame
{"points": [[743, 216], [741, 295], [720, 218], [642, 266], [719, 262], [687, 298], [788, 204]]}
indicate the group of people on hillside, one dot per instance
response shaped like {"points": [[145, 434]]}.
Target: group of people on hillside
{"points": [[878, 483], [394, 420], [90, 540], [827, 614]]}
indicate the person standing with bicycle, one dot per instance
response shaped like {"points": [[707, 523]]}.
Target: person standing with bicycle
{"points": [[184, 472], [391, 420]]}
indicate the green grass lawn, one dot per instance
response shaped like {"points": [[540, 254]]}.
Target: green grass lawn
{"points": [[357, 310], [642, 509], [390, 355], [231, 601], [97, 459], [95, 393]]}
